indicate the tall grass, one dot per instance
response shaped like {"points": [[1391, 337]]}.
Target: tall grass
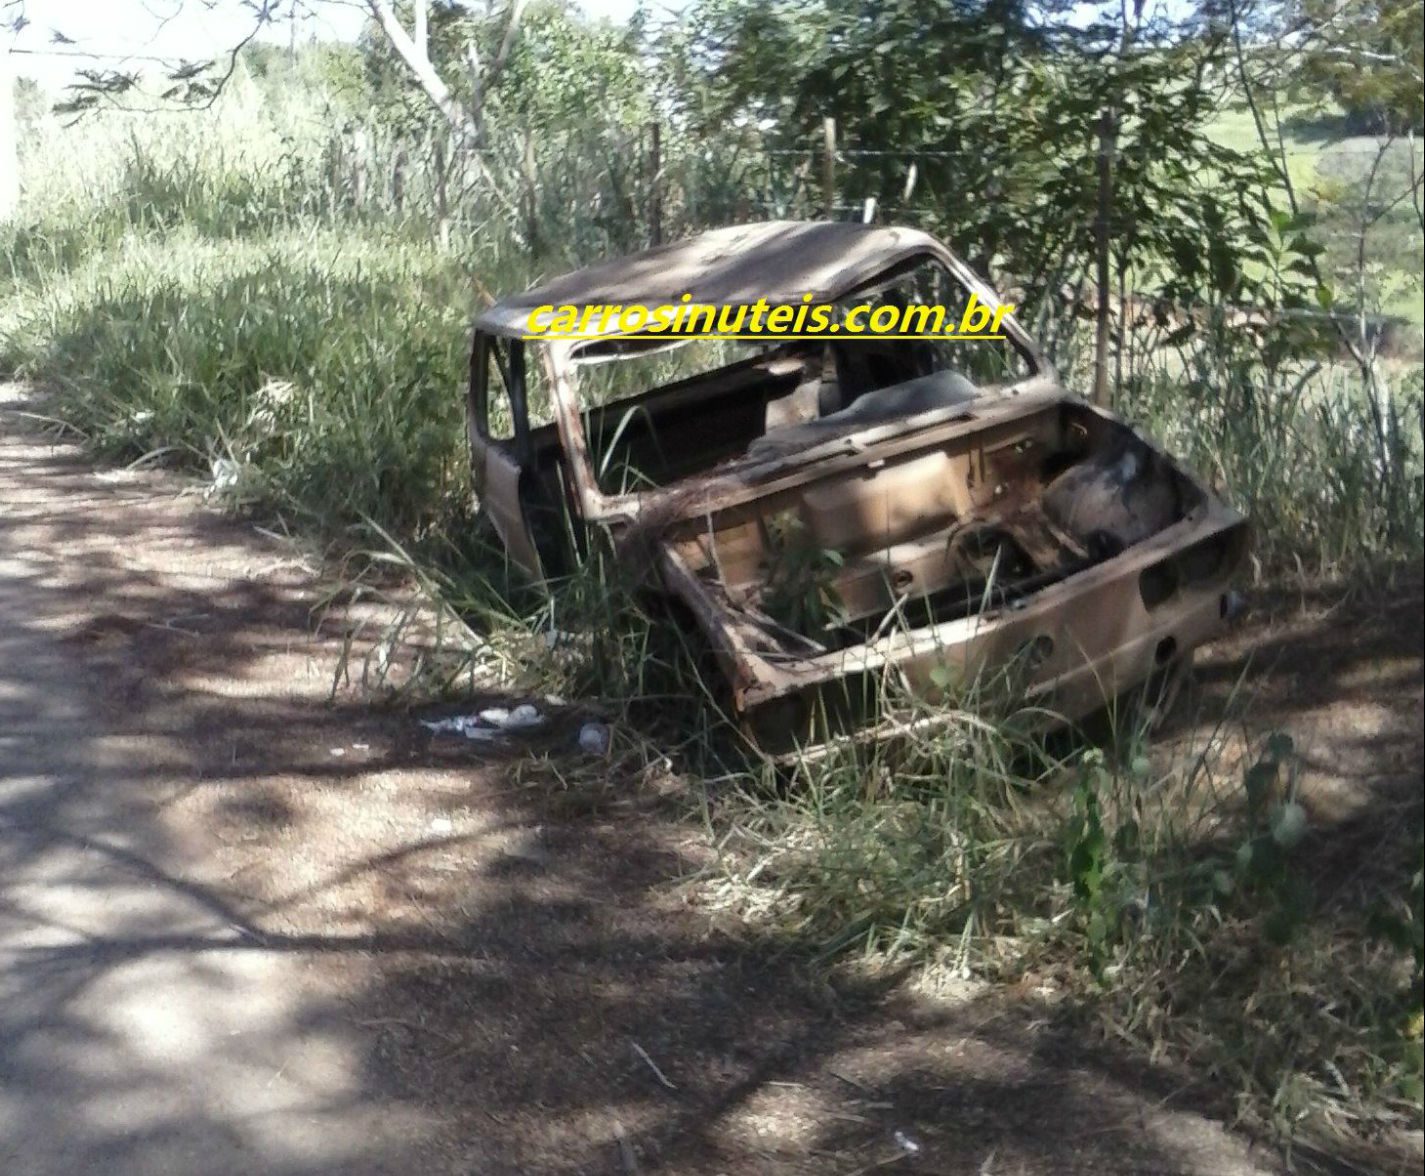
{"points": [[1331, 489], [321, 367], [207, 291], [201, 288], [1174, 903]]}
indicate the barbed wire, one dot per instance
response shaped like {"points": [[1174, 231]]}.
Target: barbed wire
{"points": [[1145, 151], [95, 55], [889, 208]]}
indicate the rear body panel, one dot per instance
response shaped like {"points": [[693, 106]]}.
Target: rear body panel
{"points": [[1080, 624]]}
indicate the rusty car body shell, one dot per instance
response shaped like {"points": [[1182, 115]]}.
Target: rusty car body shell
{"points": [[1018, 526]]}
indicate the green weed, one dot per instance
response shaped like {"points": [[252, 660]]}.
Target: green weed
{"points": [[237, 313]]}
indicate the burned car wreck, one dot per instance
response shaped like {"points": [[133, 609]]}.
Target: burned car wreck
{"points": [[848, 520]]}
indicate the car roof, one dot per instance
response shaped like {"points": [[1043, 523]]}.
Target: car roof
{"points": [[779, 261]]}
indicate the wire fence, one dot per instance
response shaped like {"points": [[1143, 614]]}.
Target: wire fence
{"points": [[605, 168], [607, 188]]}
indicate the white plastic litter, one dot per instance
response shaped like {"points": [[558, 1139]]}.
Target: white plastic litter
{"points": [[466, 725], [441, 824], [489, 725], [525, 716], [594, 739], [907, 1143], [521, 717], [225, 475]]}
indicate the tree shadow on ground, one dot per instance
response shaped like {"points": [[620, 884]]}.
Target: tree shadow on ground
{"points": [[224, 946]]}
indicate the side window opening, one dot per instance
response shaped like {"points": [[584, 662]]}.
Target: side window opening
{"points": [[495, 414], [519, 395]]}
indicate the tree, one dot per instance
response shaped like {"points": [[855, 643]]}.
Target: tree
{"points": [[198, 82], [517, 86], [523, 63], [12, 20], [9, 142], [1369, 55], [558, 68], [999, 106]]}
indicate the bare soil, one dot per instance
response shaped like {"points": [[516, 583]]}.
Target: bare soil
{"points": [[249, 924]]}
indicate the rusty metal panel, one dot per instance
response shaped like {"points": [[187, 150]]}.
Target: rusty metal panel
{"points": [[1014, 527]]}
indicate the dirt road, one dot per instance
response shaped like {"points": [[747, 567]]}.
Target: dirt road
{"points": [[247, 930]]}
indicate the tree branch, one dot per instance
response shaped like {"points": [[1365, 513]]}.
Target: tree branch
{"points": [[420, 66], [507, 42], [466, 121]]}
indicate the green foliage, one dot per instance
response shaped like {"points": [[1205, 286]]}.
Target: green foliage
{"points": [[1299, 451], [1329, 467], [1276, 825], [1194, 920], [1399, 921], [1001, 114], [568, 68], [30, 104], [1226, 898], [1094, 867], [1370, 56], [564, 68], [900, 852], [316, 366], [801, 579], [218, 297], [1360, 207], [332, 70]]}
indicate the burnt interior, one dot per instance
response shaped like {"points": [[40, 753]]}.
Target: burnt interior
{"points": [[761, 407], [765, 406], [933, 533], [936, 533], [658, 412]]}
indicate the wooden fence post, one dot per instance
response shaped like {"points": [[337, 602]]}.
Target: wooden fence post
{"points": [[655, 183], [531, 192], [1102, 241], [828, 166]]}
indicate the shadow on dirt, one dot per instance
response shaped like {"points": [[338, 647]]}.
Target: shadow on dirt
{"points": [[468, 967]]}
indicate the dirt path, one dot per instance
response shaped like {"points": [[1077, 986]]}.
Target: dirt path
{"points": [[246, 930]]}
